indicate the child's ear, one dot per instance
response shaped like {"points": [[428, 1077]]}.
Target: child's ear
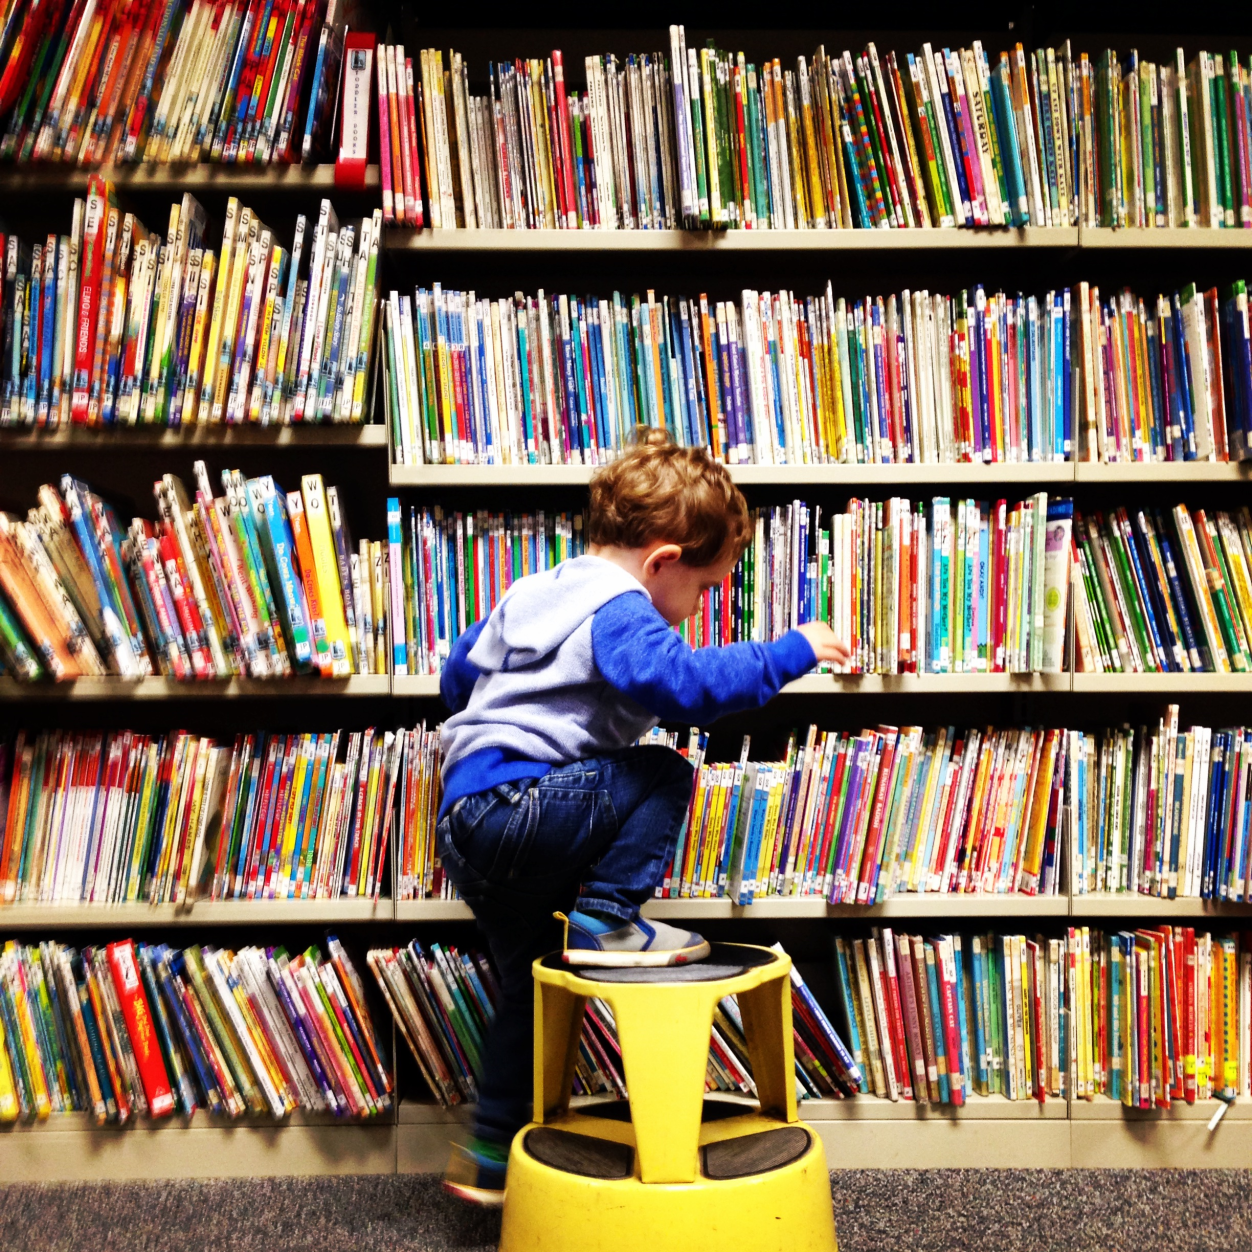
{"points": [[659, 557]]}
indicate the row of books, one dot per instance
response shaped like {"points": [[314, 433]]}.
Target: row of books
{"points": [[111, 326], [938, 1020], [1159, 1015], [99, 818], [1164, 590], [770, 379], [444, 1000], [1161, 810], [705, 138], [778, 380], [132, 1030], [168, 80], [858, 818], [947, 587], [257, 582], [1168, 379]]}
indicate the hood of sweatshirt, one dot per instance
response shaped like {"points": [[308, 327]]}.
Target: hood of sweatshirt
{"points": [[540, 612]]}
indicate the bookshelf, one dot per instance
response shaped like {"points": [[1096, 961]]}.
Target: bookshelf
{"points": [[867, 1132]]}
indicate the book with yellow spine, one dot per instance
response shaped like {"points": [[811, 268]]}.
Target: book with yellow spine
{"points": [[199, 333], [326, 567], [8, 1089], [234, 283], [212, 343]]}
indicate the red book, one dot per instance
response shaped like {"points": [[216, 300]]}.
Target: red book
{"points": [[90, 265], [566, 146], [1036, 987], [1189, 1048], [143, 1037], [906, 980], [882, 793], [354, 109], [260, 819], [402, 138], [951, 1031], [384, 136], [899, 1046], [184, 604]]}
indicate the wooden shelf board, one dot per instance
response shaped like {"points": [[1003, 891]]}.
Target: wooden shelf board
{"points": [[422, 686], [161, 177], [1164, 471], [1162, 684], [1133, 904], [1163, 237], [217, 689], [924, 684], [726, 241], [50, 917], [172, 1149], [433, 911], [1104, 1109], [449, 476], [313, 434], [905, 905]]}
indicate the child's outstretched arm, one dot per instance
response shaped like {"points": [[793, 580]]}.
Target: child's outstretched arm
{"points": [[640, 655]]}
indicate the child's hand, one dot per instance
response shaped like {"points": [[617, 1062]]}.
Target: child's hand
{"points": [[826, 645]]}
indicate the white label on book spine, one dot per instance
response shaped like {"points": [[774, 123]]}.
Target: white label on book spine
{"points": [[354, 134]]}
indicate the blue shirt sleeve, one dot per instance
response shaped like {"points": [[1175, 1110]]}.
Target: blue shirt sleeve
{"points": [[459, 672], [642, 656]]}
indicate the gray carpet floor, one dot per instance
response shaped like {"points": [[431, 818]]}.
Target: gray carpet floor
{"points": [[875, 1211]]}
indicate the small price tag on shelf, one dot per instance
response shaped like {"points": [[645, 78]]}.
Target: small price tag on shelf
{"points": [[354, 111]]}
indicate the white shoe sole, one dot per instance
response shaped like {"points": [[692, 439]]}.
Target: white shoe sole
{"points": [[636, 960]]}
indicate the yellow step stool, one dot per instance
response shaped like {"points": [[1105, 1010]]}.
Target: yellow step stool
{"points": [[670, 1171]]}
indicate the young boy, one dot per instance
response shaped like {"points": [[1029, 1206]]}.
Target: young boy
{"points": [[547, 805]]}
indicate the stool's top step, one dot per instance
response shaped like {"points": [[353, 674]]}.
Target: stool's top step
{"points": [[725, 960], [702, 971]]}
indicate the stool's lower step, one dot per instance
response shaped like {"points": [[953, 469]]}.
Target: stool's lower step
{"points": [[754, 1154], [580, 1154]]}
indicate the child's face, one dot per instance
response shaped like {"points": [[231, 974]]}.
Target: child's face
{"points": [[675, 587]]}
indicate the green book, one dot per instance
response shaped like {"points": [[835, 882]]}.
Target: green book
{"points": [[699, 138], [1221, 141], [223, 1035], [1130, 597]]}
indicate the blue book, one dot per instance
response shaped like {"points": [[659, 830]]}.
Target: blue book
{"points": [[1186, 380], [44, 410], [843, 979], [395, 541], [278, 546], [980, 1016], [1177, 594], [943, 1061], [962, 1022], [1006, 133], [1217, 773]]}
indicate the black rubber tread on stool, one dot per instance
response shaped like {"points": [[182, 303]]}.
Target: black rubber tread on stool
{"points": [[754, 1154], [580, 1154], [701, 972]]}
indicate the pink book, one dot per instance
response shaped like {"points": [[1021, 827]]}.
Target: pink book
{"points": [[384, 138]]}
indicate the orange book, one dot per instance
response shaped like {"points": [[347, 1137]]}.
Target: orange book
{"points": [[308, 573], [28, 604]]}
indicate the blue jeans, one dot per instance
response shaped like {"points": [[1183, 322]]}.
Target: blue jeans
{"points": [[594, 835]]}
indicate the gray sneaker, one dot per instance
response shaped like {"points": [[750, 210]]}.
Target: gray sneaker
{"points": [[591, 940]]}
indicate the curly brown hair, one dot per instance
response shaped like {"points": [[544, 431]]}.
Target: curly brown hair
{"points": [[657, 491]]}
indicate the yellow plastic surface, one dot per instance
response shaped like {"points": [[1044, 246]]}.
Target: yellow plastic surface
{"points": [[668, 1204]]}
